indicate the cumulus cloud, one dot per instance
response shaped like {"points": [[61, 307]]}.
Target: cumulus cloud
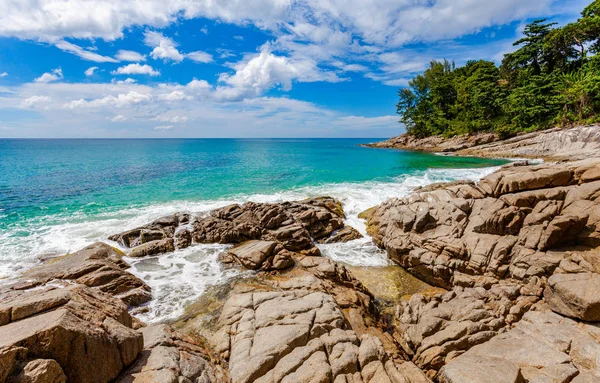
{"points": [[3, 74], [200, 56], [50, 20], [120, 101], [136, 69], [90, 71], [126, 55], [267, 70], [55, 75], [164, 127], [164, 47]]}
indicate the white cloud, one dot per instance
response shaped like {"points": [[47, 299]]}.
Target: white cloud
{"points": [[3, 74], [120, 101], [128, 80], [265, 71], [84, 54], [90, 71], [33, 100], [125, 55], [50, 20], [119, 118], [175, 95], [136, 69], [171, 119], [55, 75], [164, 47], [164, 127], [200, 56]]}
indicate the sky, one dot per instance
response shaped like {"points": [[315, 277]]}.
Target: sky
{"points": [[236, 68]]}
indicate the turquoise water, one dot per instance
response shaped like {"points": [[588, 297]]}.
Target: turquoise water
{"points": [[57, 196], [47, 177]]}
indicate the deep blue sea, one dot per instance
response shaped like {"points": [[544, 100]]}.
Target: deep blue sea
{"points": [[57, 196]]}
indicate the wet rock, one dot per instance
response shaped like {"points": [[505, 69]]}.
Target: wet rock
{"points": [[294, 225], [346, 234], [574, 295], [263, 255], [153, 248]]}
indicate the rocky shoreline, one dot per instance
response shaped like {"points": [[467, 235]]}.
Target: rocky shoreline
{"points": [[515, 260], [554, 144]]}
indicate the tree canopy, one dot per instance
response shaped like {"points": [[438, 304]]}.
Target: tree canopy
{"points": [[552, 78]]}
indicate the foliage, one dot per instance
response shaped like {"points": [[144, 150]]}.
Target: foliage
{"points": [[553, 77]]}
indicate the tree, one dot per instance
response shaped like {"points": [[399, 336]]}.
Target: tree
{"points": [[532, 54]]}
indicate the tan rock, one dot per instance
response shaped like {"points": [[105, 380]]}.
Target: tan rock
{"points": [[575, 295]]}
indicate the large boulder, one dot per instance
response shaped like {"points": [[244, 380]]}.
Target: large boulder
{"points": [[575, 295], [74, 331], [263, 255], [99, 266]]}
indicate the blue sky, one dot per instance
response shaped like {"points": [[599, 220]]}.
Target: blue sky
{"points": [[236, 68]]}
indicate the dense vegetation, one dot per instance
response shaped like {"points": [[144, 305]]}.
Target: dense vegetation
{"points": [[553, 78]]}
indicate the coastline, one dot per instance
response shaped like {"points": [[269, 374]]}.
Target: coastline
{"points": [[510, 254], [550, 145]]}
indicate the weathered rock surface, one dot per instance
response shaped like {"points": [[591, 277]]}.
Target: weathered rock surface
{"points": [[441, 327], [543, 347], [575, 295], [521, 238], [296, 226], [301, 336], [71, 331], [170, 357], [557, 144], [511, 224], [99, 266], [254, 255]]}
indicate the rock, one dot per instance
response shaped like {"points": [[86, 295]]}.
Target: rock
{"points": [[264, 255], [73, 331], [298, 336], [574, 295], [538, 348], [510, 224], [573, 143], [440, 327], [294, 225], [153, 248], [169, 356], [99, 266], [41, 371], [346, 234], [161, 228], [480, 370]]}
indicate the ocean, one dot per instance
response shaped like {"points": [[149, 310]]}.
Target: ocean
{"points": [[57, 196]]}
